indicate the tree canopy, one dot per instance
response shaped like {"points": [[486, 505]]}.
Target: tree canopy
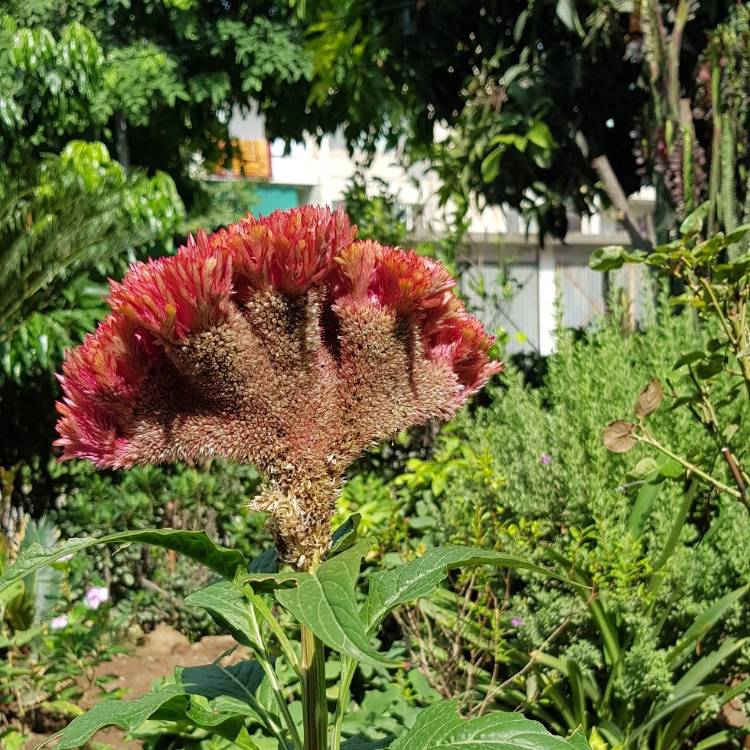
{"points": [[155, 80], [547, 104]]}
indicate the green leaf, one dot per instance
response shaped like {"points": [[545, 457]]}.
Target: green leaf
{"points": [[737, 234], [678, 524], [491, 164], [229, 726], [227, 606], [224, 717], [645, 467], [706, 666], [421, 577], [520, 25], [363, 743], [578, 741], [680, 719], [667, 709], [671, 469], [689, 358], [439, 727], [265, 583], [540, 135], [722, 738], [263, 572], [706, 251], [127, 715], [345, 535], [602, 620], [325, 602], [644, 502], [575, 678], [612, 257], [194, 544], [516, 140], [239, 681], [21, 637], [266, 562], [588, 683], [694, 221]]}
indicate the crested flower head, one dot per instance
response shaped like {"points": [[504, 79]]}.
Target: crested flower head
{"points": [[280, 341]]}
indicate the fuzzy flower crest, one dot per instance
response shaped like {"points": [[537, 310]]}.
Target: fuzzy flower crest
{"points": [[280, 341]]}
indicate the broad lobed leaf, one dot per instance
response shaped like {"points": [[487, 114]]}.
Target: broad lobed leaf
{"points": [[233, 687], [124, 714], [227, 605], [421, 577], [440, 727], [239, 681], [325, 602]]}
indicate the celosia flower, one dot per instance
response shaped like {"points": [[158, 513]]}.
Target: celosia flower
{"points": [[59, 622], [281, 342], [95, 596]]}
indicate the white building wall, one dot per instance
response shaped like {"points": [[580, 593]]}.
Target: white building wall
{"points": [[497, 237]]}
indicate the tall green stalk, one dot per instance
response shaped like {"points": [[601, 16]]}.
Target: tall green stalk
{"points": [[714, 210], [314, 702], [727, 155]]}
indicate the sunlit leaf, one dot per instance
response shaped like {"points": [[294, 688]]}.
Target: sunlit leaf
{"points": [[440, 727]]}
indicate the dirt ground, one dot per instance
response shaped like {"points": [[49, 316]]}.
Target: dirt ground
{"points": [[161, 651]]}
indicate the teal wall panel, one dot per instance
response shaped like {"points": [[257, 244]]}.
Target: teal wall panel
{"points": [[268, 198]]}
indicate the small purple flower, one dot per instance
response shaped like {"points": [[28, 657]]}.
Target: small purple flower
{"points": [[96, 596], [59, 622], [545, 459], [516, 622]]}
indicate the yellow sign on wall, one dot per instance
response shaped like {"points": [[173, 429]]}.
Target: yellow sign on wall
{"points": [[249, 158]]}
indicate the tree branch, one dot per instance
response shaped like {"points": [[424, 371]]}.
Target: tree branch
{"points": [[616, 194]]}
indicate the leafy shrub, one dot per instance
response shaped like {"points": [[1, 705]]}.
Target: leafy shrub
{"points": [[529, 475]]}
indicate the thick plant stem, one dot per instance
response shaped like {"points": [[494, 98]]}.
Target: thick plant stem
{"points": [[314, 703]]}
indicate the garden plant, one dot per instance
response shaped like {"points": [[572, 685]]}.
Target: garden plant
{"points": [[652, 649], [286, 343]]}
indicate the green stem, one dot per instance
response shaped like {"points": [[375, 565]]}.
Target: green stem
{"points": [[674, 47], [740, 345], [273, 681], [314, 702], [348, 667], [728, 195], [713, 181], [265, 612], [691, 467], [719, 312], [262, 657]]}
